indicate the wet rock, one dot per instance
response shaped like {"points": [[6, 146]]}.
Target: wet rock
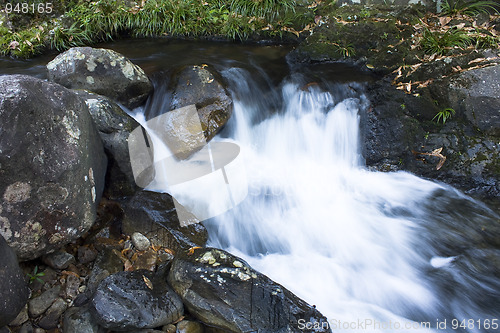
{"points": [[188, 326], [154, 215], [52, 166], [40, 304], [107, 263], [104, 72], [14, 291], [51, 318], [114, 126], [135, 300], [79, 319], [222, 290], [21, 318], [203, 87], [59, 260], [141, 243], [145, 260]]}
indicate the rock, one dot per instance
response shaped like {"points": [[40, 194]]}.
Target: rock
{"points": [[27, 328], [170, 328], [476, 94], [107, 263], [203, 87], [135, 300], [52, 166], [14, 291], [51, 318], [188, 326], [222, 290], [154, 215], [59, 260], [104, 72], [21, 318], [80, 320], [40, 304], [114, 126], [141, 243], [86, 254]]}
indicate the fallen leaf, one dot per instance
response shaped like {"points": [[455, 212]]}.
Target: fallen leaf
{"points": [[444, 20], [191, 250], [13, 45], [148, 282]]}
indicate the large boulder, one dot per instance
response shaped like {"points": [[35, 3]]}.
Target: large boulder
{"points": [[104, 72], [52, 166], [114, 126], [222, 290], [14, 290], [476, 93], [135, 300], [203, 87], [155, 216]]}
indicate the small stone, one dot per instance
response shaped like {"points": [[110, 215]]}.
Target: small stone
{"points": [[72, 286], [79, 320], [59, 260], [86, 254], [21, 318], [39, 330], [40, 304], [53, 314], [170, 328], [140, 241], [188, 326], [26, 328], [145, 260]]}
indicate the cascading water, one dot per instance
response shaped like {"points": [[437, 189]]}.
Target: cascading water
{"points": [[369, 249]]}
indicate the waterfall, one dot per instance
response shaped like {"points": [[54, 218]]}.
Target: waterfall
{"points": [[362, 246]]}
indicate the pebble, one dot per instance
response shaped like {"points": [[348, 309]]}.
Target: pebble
{"points": [[53, 314], [188, 326], [21, 318], [170, 328], [79, 320], [59, 260], [86, 254], [26, 328], [141, 242], [40, 304]]}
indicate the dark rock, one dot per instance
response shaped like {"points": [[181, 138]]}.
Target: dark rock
{"points": [[104, 72], [14, 291], [107, 263], [40, 304], [135, 300], [27, 328], [80, 320], [86, 254], [59, 260], [52, 166], [221, 290], [154, 215], [114, 126], [51, 318], [475, 93], [203, 87], [21, 318]]}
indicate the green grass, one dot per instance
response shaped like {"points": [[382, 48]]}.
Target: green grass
{"points": [[442, 43], [89, 22], [444, 115], [469, 8]]}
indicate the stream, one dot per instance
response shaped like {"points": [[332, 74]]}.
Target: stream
{"points": [[375, 252]]}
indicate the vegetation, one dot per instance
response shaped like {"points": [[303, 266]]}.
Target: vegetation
{"points": [[87, 22], [35, 276], [444, 115], [469, 8], [439, 43]]}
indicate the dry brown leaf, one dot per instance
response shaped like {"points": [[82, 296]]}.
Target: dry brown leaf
{"points": [[127, 266], [148, 282], [444, 20]]}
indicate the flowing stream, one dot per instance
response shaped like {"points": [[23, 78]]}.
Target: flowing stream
{"points": [[369, 249]]}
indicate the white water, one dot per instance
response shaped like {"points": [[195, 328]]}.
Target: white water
{"points": [[322, 225]]}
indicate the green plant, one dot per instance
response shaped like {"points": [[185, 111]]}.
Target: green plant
{"points": [[403, 106], [444, 115], [436, 42], [35, 276], [470, 8]]}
